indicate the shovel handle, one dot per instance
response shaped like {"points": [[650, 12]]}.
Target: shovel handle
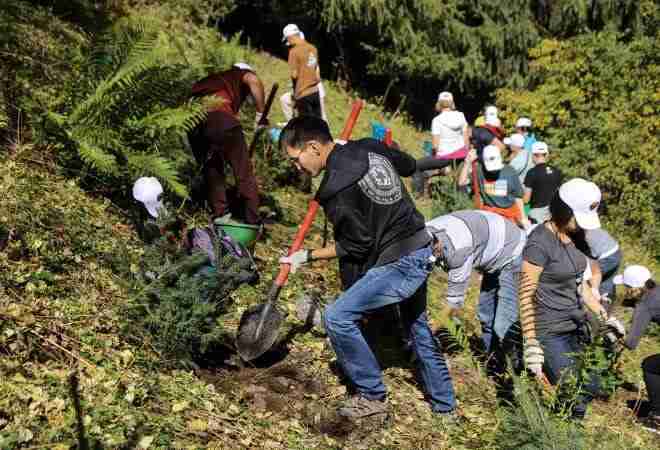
{"points": [[313, 207]]}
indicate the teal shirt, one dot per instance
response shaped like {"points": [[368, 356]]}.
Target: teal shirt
{"points": [[501, 192], [522, 163]]}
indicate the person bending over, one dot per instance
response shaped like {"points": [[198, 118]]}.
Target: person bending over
{"points": [[385, 257], [645, 292]]}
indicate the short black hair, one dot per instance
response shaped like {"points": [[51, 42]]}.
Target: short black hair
{"points": [[303, 129]]}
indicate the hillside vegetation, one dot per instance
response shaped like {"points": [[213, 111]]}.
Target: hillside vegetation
{"points": [[72, 265]]}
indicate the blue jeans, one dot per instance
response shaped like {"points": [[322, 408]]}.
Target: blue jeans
{"points": [[498, 302], [559, 351], [404, 282], [609, 266]]}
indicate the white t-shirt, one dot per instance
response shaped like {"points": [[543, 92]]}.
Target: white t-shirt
{"points": [[449, 126]]}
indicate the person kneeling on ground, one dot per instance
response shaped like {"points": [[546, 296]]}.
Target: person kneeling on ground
{"points": [[645, 292], [385, 257], [493, 245]]}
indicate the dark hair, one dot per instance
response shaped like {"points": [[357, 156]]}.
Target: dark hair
{"points": [[650, 284], [303, 129], [560, 212]]}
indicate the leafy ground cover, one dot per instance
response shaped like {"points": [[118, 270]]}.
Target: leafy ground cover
{"points": [[69, 265]]}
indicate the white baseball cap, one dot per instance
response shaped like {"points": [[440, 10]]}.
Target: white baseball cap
{"points": [[290, 30], [490, 111], [539, 148], [445, 96], [633, 276], [523, 122], [493, 121], [147, 190], [583, 197], [243, 66], [492, 158], [515, 140]]}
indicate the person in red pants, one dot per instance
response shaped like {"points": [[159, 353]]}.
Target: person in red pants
{"points": [[220, 139]]}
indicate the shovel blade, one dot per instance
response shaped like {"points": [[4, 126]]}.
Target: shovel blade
{"points": [[258, 330]]}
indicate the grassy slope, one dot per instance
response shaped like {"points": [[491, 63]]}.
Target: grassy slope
{"points": [[52, 324]]}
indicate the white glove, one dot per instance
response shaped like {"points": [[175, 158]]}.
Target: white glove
{"points": [[533, 356], [340, 141], [616, 324], [296, 260]]}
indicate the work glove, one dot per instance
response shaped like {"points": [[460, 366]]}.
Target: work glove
{"points": [[616, 325], [296, 260], [533, 356]]}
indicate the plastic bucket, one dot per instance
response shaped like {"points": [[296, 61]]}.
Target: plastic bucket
{"points": [[241, 232]]}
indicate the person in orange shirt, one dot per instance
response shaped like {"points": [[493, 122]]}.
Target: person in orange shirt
{"points": [[305, 73]]}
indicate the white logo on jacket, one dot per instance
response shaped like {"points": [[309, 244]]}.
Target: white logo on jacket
{"points": [[381, 183]]}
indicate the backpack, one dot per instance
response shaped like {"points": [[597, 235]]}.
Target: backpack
{"points": [[230, 261]]}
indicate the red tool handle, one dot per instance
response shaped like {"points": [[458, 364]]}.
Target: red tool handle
{"points": [[314, 205]]}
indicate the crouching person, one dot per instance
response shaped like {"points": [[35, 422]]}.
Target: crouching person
{"points": [[644, 292], [385, 257], [484, 241]]}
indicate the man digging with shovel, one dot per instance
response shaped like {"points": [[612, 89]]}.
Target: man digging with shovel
{"points": [[385, 257]]}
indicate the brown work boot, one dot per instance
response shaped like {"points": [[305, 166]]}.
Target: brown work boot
{"points": [[359, 407]]}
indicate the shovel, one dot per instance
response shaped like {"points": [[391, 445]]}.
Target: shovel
{"points": [[259, 326]]}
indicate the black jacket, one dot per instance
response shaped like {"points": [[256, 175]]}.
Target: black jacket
{"points": [[374, 219]]}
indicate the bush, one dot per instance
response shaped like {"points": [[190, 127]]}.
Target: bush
{"points": [[595, 100]]}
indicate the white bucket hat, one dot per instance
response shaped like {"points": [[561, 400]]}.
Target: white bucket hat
{"points": [[147, 190], [633, 276]]}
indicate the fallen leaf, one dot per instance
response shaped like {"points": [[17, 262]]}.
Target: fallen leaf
{"points": [[145, 442]]}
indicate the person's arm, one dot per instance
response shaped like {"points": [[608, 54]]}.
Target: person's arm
{"points": [[403, 163], [293, 65], [463, 176], [435, 139], [593, 303], [327, 252], [641, 320], [466, 134], [257, 90], [458, 281], [596, 277], [527, 187], [530, 274], [517, 191]]}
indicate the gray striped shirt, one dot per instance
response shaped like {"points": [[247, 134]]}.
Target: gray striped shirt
{"points": [[475, 239]]}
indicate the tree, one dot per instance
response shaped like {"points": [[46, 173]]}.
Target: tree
{"points": [[595, 100]]}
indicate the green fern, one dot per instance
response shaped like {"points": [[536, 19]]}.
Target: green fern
{"points": [[130, 122]]}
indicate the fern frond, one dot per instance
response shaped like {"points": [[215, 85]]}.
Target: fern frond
{"points": [[97, 158], [181, 120]]}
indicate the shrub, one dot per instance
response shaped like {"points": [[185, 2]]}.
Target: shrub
{"points": [[595, 100]]}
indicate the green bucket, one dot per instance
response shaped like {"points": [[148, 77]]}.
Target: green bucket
{"points": [[241, 232]]}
